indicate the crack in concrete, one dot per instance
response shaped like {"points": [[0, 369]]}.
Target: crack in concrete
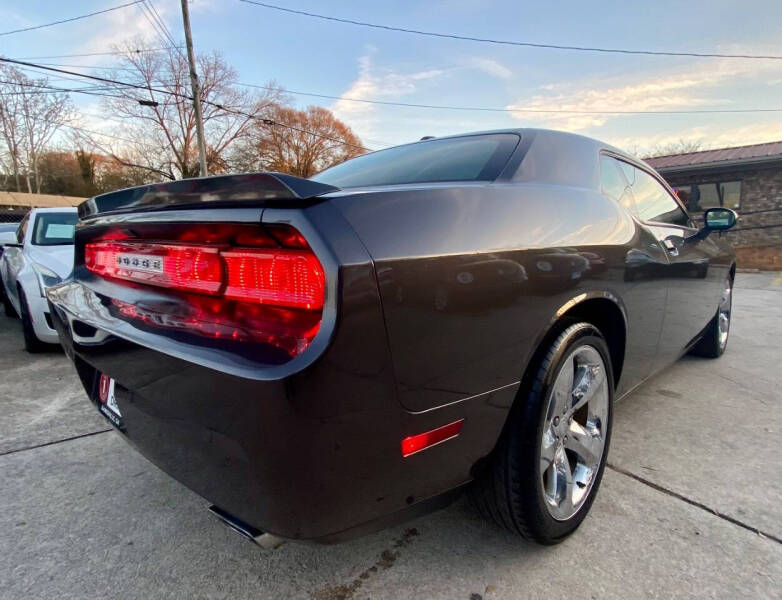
{"points": [[68, 439], [694, 503]]}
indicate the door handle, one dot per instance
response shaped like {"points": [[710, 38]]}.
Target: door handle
{"points": [[672, 249]]}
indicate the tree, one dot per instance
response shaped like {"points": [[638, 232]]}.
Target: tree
{"points": [[11, 121], [680, 147], [111, 175], [86, 162], [59, 173], [161, 132], [298, 142], [84, 174], [30, 115]]}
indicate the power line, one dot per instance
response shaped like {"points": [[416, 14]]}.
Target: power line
{"points": [[48, 64], [510, 42], [108, 135], [92, 14], [59, 77], [162, 23], [519, 109], [263, 120], [30, 65], [108, 53], [49, 89], [161, 30]]}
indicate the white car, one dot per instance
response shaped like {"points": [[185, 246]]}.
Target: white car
{"points": [[7, 234], [40, 257]]}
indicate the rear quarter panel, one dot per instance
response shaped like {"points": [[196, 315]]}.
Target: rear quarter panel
{"points": [[457, 330]]}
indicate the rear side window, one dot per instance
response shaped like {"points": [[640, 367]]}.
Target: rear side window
{"points": [[654, 203], [53, 229], [471, 158], [614, 184]]}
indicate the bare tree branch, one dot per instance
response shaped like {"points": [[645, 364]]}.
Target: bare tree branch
{"points": [[169, 126]]}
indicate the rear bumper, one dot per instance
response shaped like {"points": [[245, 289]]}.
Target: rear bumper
{"points": [[315, 455]]}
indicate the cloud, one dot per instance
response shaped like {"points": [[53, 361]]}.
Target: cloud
{"points": [[688, 88], [491, 67], [120, 25], [375, 83], [711, 137]]}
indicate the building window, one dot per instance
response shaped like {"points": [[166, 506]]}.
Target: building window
{"points": [[684, 193], [699, 197]]}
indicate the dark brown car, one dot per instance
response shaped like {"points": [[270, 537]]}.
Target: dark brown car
{"points": [[322, 357]]}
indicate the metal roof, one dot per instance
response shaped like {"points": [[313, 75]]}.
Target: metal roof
{"points": [[722, 156], [22, 199]]}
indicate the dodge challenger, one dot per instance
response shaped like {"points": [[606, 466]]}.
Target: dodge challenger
{"points": [[322, 357]]}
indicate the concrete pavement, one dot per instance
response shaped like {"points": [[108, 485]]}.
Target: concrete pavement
{"points": [[86, 516]]}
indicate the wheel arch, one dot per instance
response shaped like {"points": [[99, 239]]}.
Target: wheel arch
{"points": [[26, 283], [604, 310]]}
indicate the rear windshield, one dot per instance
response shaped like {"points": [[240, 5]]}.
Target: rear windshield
{"points": [[471, 158], [52, 229]]}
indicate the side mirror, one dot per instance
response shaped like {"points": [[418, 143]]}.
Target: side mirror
{"points": [[719, 219], [716, 219]]}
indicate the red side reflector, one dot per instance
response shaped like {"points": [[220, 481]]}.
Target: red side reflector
{"points": [[416, 443], [281, 277]]}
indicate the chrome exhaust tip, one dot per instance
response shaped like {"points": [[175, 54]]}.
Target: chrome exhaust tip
{"points": [[256, 536]]}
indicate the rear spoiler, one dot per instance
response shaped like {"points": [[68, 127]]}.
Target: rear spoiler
{"points": [[256, 189]]}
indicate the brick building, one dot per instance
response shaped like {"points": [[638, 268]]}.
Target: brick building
{"points": [[747, 179]]}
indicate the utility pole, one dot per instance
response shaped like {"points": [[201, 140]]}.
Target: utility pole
{"points": [[196, 89]]}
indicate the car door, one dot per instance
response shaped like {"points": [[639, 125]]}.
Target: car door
{"points": [[645, 282], [693, 284]]}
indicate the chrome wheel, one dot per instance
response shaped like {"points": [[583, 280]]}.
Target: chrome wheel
{"points": [[723, 317], [574, 432]]}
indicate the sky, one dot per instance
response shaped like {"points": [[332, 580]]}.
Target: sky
{"points": [[310, 55]]}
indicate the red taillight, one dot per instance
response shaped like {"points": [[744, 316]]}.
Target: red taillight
{"points": [[180, 267], [215, 261], [278, 277], [416, 443]]}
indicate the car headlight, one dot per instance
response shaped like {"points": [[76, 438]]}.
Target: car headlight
{"points": [[46, 278]]}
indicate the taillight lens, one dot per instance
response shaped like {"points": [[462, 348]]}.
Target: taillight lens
{"points": [[280, 272], [279, 277], [179, 267]]}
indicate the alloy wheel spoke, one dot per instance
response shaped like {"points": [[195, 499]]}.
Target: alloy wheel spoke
{"points": [[589, 378], [587, 445], [547, 453], [562, 391], [564, 480]]}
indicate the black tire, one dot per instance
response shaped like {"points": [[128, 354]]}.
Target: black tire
{"points": [[509, 491], [8, 308], [710, 346], [31, 342]]}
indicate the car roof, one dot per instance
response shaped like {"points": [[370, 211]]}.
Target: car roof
{"points": [[541, 133], [55, 209]]}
